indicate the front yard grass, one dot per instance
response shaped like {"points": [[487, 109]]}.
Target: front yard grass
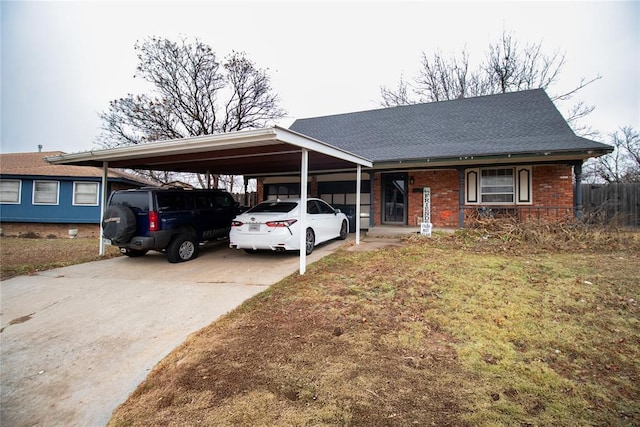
{"points": [[21, 256], [452, 330]]}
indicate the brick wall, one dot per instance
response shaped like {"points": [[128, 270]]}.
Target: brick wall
{"points": [[260, 189], [552, 186], [313, 186], [444, 197], [445, 193], [377, 198], [16, 229]]}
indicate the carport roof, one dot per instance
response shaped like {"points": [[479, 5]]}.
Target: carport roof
{"points": [[255, 152]]}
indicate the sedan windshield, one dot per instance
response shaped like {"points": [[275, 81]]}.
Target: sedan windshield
{"points": [[274, 207]]}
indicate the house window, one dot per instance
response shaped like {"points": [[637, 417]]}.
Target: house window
{"points": [[45, 192], [497, 186], [10, 191], [85, 193]]}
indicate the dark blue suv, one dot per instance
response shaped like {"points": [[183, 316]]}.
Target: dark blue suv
{"points": [[172, 220]]}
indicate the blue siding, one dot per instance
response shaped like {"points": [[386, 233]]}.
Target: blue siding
{"points": [[63, 212]]}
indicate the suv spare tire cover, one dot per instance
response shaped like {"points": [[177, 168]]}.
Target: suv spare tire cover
{"points": [[119, 224]]}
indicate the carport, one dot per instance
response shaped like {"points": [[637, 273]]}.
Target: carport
{"points": [[251, 153]]}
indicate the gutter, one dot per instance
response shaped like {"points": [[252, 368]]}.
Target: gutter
{"points": [[535, 157]]}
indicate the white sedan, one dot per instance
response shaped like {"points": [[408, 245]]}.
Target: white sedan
{"points": [[274, 225]]}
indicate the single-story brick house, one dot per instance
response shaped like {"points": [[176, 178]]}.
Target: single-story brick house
{"points": [[444, 162], [35, 191], [440, 163]]}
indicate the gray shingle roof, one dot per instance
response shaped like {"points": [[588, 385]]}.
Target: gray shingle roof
{"points": [[510, 123], [34, 164]]}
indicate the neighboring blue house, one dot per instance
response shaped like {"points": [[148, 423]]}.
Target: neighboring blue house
{"points": [[34, 191]]}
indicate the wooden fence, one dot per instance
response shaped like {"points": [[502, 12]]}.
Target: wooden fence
{"points": [[612, 204]]}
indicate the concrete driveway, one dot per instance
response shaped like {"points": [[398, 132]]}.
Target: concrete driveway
{"points": [[76, 341]]}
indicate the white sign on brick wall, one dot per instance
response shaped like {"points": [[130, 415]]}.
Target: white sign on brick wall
{"points": [[425, 227], [426, 205]]}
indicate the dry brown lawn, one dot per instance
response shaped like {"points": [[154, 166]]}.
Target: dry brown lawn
{"points": [[457, 330], [496, 327], [19, 256]]}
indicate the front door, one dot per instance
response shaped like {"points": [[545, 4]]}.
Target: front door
{"points": [[394, 198]]}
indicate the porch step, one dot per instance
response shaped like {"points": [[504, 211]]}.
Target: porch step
{"points": [[398, 231], [388, 232]]}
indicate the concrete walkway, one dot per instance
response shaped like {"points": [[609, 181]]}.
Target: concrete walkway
{"points": [[76, 341]]}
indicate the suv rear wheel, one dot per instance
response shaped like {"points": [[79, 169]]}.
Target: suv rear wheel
{"points": [[183, 247]]}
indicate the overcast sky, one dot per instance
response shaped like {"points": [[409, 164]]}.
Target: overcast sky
{"points": [[62, 62]]}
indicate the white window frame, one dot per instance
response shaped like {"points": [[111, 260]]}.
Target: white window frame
{"points": [[18, 192], [513, 185], [522, 186], [57, 184], [96, 194]]}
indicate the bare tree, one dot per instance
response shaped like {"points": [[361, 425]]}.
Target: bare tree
{"points": [[191, 94], [440, 79], [620, 166], [399, 96], [507, 67], [510, 67]]}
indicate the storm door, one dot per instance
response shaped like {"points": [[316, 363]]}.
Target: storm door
{"points": [[394, 198]]}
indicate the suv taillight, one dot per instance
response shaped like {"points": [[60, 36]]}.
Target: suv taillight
{"points": [[153, 221]]}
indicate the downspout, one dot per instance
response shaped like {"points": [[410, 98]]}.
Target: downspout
{"points": [[577, 191], [103, 203], [461, 198]]}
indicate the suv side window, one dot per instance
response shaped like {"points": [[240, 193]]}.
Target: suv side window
{"points": [[223, 200], [138, 201], [203, 201], [168, 202]]}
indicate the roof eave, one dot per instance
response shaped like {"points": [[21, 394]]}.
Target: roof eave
{"points": [[209, 143], [171, 147], [532, 157]]}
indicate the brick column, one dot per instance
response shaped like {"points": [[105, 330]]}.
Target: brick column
{"points": [[260, 190]]}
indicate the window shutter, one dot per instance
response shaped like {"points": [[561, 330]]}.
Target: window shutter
{"points": [[471, 185], [523, 185]]}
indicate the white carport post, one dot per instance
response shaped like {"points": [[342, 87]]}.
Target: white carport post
{"points": [[359, 171], [304, 172], [103, 201]]}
